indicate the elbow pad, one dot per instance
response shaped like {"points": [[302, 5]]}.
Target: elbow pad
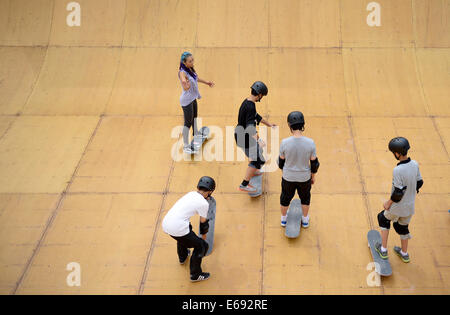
{"points": [[419, 185], [204, 227], [397, 194], [281, 163], [314, 165]]}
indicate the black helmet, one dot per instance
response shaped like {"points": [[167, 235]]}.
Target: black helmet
{"points": [[295, 118], [260, 88], [399, 145], [207, 183]]}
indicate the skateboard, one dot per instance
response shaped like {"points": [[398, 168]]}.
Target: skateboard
{"points": [[382, 266], [197, 142], [256, 181], [212, 220], [294, 218]]}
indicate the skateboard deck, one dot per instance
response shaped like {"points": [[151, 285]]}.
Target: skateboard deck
{"points": [[197, 142], [382, 266], [212, 220], [256, 181], [294, 218]]}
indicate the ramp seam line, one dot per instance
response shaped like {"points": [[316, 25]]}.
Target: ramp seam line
{"points": [[155, 232], [54, 214]]}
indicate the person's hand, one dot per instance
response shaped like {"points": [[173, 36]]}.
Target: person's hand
{"points": [[273, 125], [210, 84], [204, 237], [387, 205], [313, 180]]}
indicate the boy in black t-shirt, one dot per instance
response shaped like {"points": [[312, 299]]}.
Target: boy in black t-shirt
{"points": [[246, 135]]}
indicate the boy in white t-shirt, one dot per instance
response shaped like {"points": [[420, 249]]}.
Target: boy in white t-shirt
{"points": [[177, 224]]}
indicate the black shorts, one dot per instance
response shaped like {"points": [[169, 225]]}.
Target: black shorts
{"points": [[253, 151], [288, 192]]}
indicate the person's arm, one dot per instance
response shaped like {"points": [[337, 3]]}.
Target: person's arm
{"points": [[209, 83], [184, 81], [267, 123], [398, 190], [204, 227], [314, 164]]}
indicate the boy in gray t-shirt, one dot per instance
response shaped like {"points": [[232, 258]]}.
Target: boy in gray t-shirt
{"points": [[400, 207], [299, 163]]}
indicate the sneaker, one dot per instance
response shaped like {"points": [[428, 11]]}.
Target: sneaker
{"points": [[283, 223], [405, 258], [189, 150], [249, 188], [183, 261], [305, 225], [383, 254], [201, 277]]}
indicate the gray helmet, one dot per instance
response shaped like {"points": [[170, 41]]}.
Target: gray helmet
{"points": [[399, 145], [207, 183], [260, 88], [295, 118]]}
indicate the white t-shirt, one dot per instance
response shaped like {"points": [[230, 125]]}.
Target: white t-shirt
{"points": [[176, 221]]}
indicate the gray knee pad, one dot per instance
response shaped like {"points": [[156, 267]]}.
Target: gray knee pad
{"points": [[401, 229], [383, 222]]}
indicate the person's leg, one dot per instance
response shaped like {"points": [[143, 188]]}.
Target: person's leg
{"points": [[384, 221], [194, 119], [402, 228], [200, 248], [188, 112], [287, 194], [182, 249], [404, 245]]}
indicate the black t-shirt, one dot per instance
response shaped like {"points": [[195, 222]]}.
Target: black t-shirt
{"points": [[248, 119]]}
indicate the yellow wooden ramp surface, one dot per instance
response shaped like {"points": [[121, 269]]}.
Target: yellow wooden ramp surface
{"points": [[87, 118]]}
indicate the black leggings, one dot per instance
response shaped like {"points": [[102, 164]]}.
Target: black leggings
{"points": [[200, 246], [288, 192], [190, 114]]}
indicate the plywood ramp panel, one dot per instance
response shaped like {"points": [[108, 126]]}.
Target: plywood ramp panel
{"points": [[102, 23], [396, 28], [147, 83], [161, 23], [19, 71], [304, 23], [383, 82], [233, 23], [22, 221], [434, 68], [107, 235], [24, 22], [372, 136], [299, 77], [74, 81], [432, 22], [233, 71], [39, 154], [127, 154]]}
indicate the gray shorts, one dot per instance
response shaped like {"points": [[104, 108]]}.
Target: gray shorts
{"points": [[399, 220]]}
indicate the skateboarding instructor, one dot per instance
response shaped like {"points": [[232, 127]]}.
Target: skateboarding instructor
{"points": [[188, 100], [299, 164], [247, 137], [177, 224]]}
